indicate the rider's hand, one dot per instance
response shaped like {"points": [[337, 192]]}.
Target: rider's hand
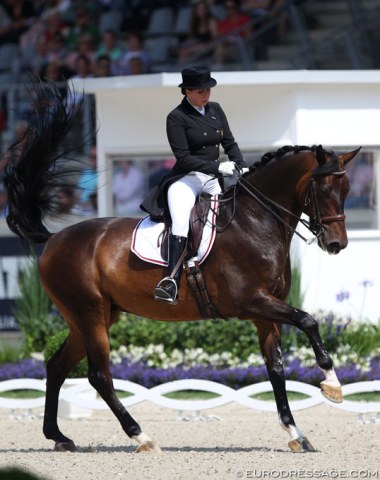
{"points": [[226, 168], [241, 170]]}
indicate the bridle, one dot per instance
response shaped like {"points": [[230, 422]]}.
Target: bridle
{"points": [[317, 221]]}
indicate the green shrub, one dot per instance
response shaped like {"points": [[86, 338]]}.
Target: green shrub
{"points": [[363, 338], [295, 296], [9, 353], [239, 336], [34, 311], [214, 336], [52, 345]]}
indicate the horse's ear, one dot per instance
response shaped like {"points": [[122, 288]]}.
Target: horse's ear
{"points": [[346, 157], [320, 154]]}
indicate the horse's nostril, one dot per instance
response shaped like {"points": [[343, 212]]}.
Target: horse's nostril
{"points": [[334, 248]]}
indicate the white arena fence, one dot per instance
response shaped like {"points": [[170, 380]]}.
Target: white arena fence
{"points": [[79, 393]]}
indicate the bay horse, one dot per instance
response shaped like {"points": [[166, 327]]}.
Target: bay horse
{"points": [[91, 275]]}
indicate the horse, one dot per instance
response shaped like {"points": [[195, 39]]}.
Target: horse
{"points": [[91, 275]]}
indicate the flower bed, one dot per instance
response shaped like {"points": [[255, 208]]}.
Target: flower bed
{"points": [[151, 366]]}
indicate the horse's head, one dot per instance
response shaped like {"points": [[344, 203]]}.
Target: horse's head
{"points": [[324, 202]]}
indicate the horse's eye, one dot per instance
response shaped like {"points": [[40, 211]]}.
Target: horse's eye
{"points": [[325, 189]]}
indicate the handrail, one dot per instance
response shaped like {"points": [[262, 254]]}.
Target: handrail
{"points": [[73, 390]]}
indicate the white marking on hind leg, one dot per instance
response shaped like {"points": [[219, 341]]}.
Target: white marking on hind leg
{"points": [[331, 378]]}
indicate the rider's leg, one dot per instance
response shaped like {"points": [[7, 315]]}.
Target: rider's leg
{"points": [[181, 199]]}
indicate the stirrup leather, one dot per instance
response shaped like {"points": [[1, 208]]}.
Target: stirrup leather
{"points": [[160, 293]]}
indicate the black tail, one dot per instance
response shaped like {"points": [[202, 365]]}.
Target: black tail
{"points": [[37, 168]]}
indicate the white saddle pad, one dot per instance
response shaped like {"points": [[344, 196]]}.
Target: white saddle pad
{"points": [[146, 239]]}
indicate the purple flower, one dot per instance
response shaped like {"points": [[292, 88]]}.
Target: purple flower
{"points": [[342, 296], [236, 378], [28, 368], [366, 283]]}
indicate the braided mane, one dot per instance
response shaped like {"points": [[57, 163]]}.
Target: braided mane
{"points": [[321, 169], [277, 154]]}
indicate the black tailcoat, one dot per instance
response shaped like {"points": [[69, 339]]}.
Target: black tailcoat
{"points": [[195, 140]]}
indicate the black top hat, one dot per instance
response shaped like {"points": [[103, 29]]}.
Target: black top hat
{"points": [[197, 77]]}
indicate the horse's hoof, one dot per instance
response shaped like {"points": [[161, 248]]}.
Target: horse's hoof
{"points": [[301, 445], [148, 447], [334, 394], [65, 447]]}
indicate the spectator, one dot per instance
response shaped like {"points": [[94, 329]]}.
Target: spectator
{"points": [[110, 46], [159, 170], [231, 30], [18, 16], [39, 45], [82, 67], [267, 10], [87, 185], [134, 49], [362, 184], [102, 66], [257, 9], [35, 59], [128, 189], [84, 24], [53, 24], [56, 51], [85, 46], [136, 66], [203, 30], [235, 19], [53, 71]]}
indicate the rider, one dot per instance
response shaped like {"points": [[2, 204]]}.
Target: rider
{"points": [[195, 130]]}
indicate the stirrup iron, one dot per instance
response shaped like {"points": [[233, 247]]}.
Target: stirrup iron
{"points": [[161, 294]]}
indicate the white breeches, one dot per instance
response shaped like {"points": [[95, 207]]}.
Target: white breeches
{"points": [[182, 195]]}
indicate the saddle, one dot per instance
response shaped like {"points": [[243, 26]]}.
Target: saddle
{"points": [[194, 274]]}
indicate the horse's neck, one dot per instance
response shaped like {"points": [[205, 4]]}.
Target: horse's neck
{"points": [[276, 190]]}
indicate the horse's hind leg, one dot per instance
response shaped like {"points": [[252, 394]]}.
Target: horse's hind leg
{"points": [[270, 344], [57, 369], [99, 376]]}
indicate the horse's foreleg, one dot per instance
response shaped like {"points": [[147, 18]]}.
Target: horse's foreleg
{"points": [[100, 378], [330, 387], [270, 344], [265, 306], [57, 369]]}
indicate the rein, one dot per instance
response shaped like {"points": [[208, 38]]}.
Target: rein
{"points": [[272, 206]]}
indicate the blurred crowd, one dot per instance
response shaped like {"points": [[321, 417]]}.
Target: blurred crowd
{"points": [[63, 39], [87, 38]]}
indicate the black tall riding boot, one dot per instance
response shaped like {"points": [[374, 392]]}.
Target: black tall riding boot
{"points": [[167, 289]]}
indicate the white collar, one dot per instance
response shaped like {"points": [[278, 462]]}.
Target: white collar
{"points": [[201, 110]]}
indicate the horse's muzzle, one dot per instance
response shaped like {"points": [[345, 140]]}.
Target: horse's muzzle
{"points": [[333, 248]]}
